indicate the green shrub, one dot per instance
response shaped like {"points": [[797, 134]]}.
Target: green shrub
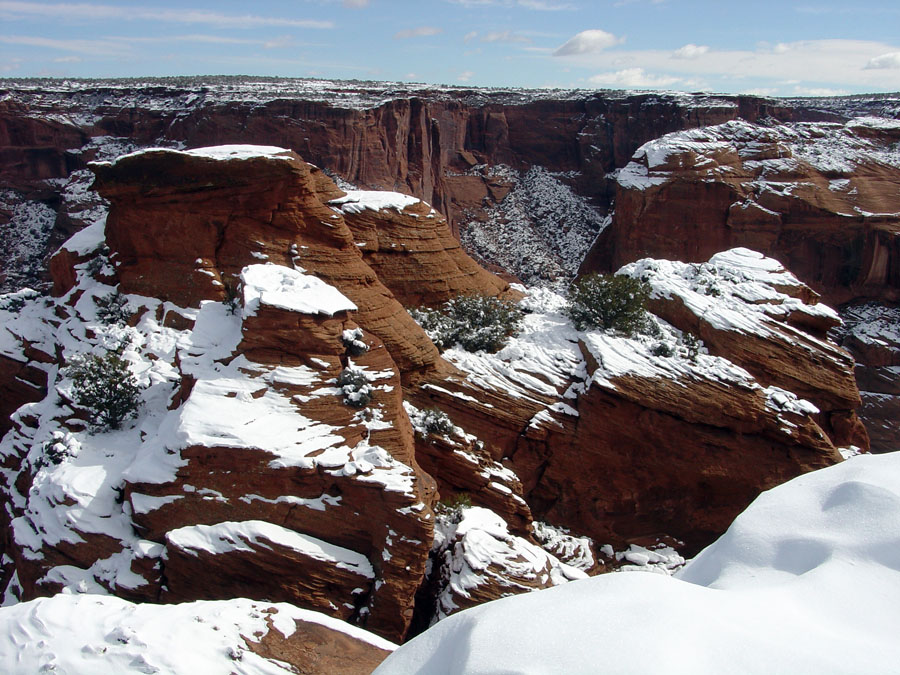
{"points": [[113, 309], [353, 342], [662, 349], [105, 387], [437, 422], [609, 302], [355, 385], [452, 507], [230, 299], [691, 345], [474, 322]]}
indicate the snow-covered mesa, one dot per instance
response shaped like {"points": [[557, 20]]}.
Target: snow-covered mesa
{"points": [[806, 580]]}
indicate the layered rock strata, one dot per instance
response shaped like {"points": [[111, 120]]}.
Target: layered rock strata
{"points": [[820, 198], [283, 450]]}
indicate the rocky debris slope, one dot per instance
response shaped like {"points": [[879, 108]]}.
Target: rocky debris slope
{"points": [[871, 332], [821, 198], [296, 425]]}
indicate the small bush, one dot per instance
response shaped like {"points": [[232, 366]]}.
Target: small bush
{"points": [[609, 302], [113, 309], [61, 446], [353, 342], [436, 422], [15, 302], [662, 349], [691, 345], [474, 322], [230, 289], [356, 387], [105, 387], [452, 507]]}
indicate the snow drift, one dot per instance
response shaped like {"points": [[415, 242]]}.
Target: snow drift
{"points": [[806, 580]]}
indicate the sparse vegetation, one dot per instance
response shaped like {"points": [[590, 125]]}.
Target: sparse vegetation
{"points": [[356, 386], [437, 422], [609, 302], [230, 288], [105, 387], [15, 302], [474, 322], [452, 507], [691, 345], [662, 349], [113, 309], [353, 342]]}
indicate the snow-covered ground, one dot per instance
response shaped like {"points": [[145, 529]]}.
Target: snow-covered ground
{"points": [[806, 580], [540, 231], [102, 634]]}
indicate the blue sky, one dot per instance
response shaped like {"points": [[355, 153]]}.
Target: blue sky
{"points": [[761, 46]]}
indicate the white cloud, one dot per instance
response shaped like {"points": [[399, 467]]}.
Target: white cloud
{"points": [[588, 42], [465, 76], [505, 36], [356, 4], [11, 65], [826, 64], [819, 91], [91, 12], [760, 91], [690, 51], [68, 59], [633, 77], [884, 61], [468, 37], [420, 31], [279, 42], [92, 47], [537, 5]]}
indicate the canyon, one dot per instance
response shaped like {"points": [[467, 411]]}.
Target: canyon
{"points": [[269, 243]]}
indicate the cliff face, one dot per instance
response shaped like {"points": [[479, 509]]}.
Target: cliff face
{"points": [[436, 144], [821, 198]]}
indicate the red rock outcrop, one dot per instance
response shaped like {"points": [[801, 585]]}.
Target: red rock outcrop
{"points": [[274, 435], [432, 142], [820, 198], [272, 208], [599, 419], [410, 247]]}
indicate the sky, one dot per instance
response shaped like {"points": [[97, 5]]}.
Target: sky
{"points": [[766, 47]]}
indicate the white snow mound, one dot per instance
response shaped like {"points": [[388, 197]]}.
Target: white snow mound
{"points": [[104, 634], [806, 580]]}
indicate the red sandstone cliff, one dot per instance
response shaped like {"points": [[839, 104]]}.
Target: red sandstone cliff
{"points": [[253, 284]]}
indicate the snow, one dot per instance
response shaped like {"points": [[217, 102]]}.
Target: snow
{"points": [[475, 548], [737, 290], [357, 201], [540, 231], [103, 634], [286, 288], [806, 580], [243, 536], [87, 240], [216, 152]]}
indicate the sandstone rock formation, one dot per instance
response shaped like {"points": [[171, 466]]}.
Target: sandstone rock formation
{"points": [[596, 415], [820, 198], [283, 450]]}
